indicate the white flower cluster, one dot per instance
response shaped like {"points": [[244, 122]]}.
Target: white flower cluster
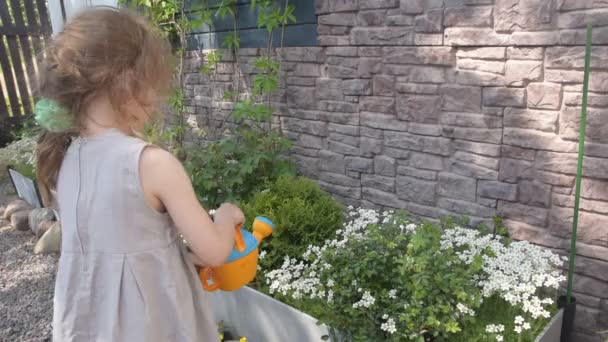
{"points": [[521, 325], [496, 329], [389, 326], [465, 310], [366, 301], [516, 272]]}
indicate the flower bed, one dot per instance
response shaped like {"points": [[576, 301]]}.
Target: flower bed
{"points": [[386, 277]]}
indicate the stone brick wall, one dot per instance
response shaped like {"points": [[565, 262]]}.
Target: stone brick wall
{"points": [[449, 107]]}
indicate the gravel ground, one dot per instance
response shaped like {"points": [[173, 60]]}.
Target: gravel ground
{"points": [[26, 288]]}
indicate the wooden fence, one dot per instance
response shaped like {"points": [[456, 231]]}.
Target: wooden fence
{"points": [[24, 32]]}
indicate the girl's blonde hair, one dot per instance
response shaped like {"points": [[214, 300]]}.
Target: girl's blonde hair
{"points": [[102, 50]]}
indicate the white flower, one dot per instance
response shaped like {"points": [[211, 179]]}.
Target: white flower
{"points": [[389, 326], [392, 294], [517, 329], [519, 320], [366, 301], [499, 338], [385, 316], [526, 326], [262, 255]]}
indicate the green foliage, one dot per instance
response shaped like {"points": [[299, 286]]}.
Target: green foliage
{"points": [[302, 212]]}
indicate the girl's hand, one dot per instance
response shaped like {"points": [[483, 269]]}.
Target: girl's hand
{"points": [[229, 214]]}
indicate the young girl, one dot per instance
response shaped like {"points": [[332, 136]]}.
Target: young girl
{"points": [[123, 274]]}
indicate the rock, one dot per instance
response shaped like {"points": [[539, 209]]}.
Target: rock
{"points": [[378, 182], [50, 242], [454, 186], [425, 161], [465, 208], [384, 166], [396, 35], [519, 73], [545, 121], [15, 206], [19, 220], [430, 22], [38, 216], [384, 85], [534, 193], [382, 198], [482, 52], [461, 98], [504, 97], [434, 145], [523, 213], [332, 162], [377, 104], [544, 95], [329, 89], [419, 108], [468, 16], [416, 190], [357, 87], [528, 15], [497, 190], [43, 227], [359, 164]]}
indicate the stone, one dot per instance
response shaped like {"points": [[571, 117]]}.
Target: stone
{"points": [[428, 39], [310, 141], [478, 78], [475, 36], [372, 133], [430, 21], [16, 206], [300, 97], [552, 178], [384, 85], [382, 198], [416, 74], [339, 179], [534, 193], [470, 170], [525, 53], [593, 100], [491, 150], [399, 20], [371, 18], [465, 208], [369, 66], [397, 153], [545, 121], [424, 129], [487, 162], [378, 182], [523, 213], [412, 6], [344, 191], [329, 89], [343, 148], [333, 162], [454, 186], [19, 220], [329, 6], [594, 189], [384, 166], [497, 67], [512, 170], [337, 71], [519, 73], [344, 139], [425, 161], [576, 36], [545, 38], [377, 104], [301, 81], [383, 121], [579, 19], [422, 210], [382, 36], [370, 147], [344, 129], [338, 19], [307, 70], [372, 4], [417, 173], [472, 134], [568, 57], [303, 54], [544, 95], [568, 5], [416, 190], [417, 88], [370, 51], [357, 87], [460, 98], [487, 202], [419, 108], [590, 286], [480, 16], [515, 152], [528, 15], [590, 230], [497, 190], [342, 51], [307, 166], [338, 106], [39, 215], [44, 227], [597, 124], [434, 145], [419, 55], [50, 242], [599, 82], [482, 52], [536, 140], [305, 126]]}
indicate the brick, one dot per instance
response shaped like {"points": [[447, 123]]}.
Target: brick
{"points": [[422, 210], [383, 121], [497, 67], [377, 104], [434, 145], [416, 190], [370, 147], [382, 36], [300, 97], [338, 179], [412, 6], [419, 108], [597, 124], [454, 186], [426, 161], [534, 193], [497, 190], [371, 18], [400, 20], [491, 150], [416, 74], [545, 121], [378, 182], [330, 161], [487, 162], [372, 133], [536, 140], [478, 78], [424, 129], [470, 170], [519, 73], [419, 55], [307, 166], [344, 129], [338, 106], [472, 134], [371, 4], [344, 191], [512, 170], [465, 208], [384, 85], [382, 198], [430, 22], [468, 16], [525, 53], [482, 52], [428, 39], [554, 178], [474, 36], [535, 38], [523, 213], [416, 173], [566, 57], [417, 88], [384, 166], [357, 87], [544, 95], [329, 89], [579, 19], [369, 66], [342, 51], [303, 54], [522, 16], [594, 189], [461, 98], [305, 126]]}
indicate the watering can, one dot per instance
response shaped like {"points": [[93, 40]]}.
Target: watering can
{"points": [[242, 264]]}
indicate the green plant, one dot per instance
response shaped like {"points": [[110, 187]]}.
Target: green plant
{"points": [[302, 212]]}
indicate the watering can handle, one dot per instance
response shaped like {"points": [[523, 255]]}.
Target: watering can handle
{"points": [[206, 274], [239, 242]]}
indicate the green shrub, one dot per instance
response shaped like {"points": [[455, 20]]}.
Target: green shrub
{"points": [[302, 212]]}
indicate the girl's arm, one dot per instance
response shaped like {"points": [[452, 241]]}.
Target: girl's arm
{"points": [[167, 186]]}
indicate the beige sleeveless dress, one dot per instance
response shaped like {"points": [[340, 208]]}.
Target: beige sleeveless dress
{"points": [[123, 272]]}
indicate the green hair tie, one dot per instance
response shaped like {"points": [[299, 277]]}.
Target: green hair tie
{"points": [[52, 116]]}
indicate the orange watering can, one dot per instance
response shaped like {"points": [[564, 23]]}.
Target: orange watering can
{"points": [[242, 264]]}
